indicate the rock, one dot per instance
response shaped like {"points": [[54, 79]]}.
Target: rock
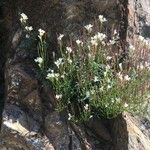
{"points": [[19, 131], [57, 131], [99, 129], [127, 134], [30, 121], [23, 90], [139, 18]]}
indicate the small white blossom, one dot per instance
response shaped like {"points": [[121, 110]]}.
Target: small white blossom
{"points": [[29, 28], [69, 49], [39, 60], [92, 91], [59, 62], [91, 116], [141, 66], [23, 18], [96, 79], [101, 36], [111, 42], [131, 47], [58, 96], [50, 70], [69, 60], [109, 87], [89, 27], [52, 75], [125, 105], [41, 33], [120, 76], [141, 38], [127, 78], [79, 42], [102, 19], [118, 100], [87, 94], [86, 107], [94, 42], [112, 100], [120, 66], [108, 57], [27, 36], [60, 37], [69, 116], [147, 64], [115, 32], [63, 76]]}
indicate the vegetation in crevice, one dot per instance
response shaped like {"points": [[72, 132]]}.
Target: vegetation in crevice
{"points": [[90, 79]]}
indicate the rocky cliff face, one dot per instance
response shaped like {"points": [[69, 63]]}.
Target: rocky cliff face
{"points": [[29, 120]]}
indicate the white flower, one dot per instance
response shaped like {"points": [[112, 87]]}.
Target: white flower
{"points": [[86, 107], [58, 96], [109, 86], [101, 36], [27, 36], [50, 70], [87, 94], [112, 100], [118, 100], [63, 76], [59, 62], [79, 42], [96, 79], [141, 66], [39, 60], [60, 37], [69, 60], [94, 42], [120, 66], [131, 47], [102, 19], [115, 32], [52, 75], [30, 28], [125, 105], [120, 76], [88, 27], [105, 73], [91, 116], [108, 57], [127, 78], [41, 33], [141, 38], [92, 91], [23, 18], [69, 49], [147, 64], [69, 116], [111, 42]]}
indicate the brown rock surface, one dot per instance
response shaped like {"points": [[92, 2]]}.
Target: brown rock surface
{"points": [[29, 119]]}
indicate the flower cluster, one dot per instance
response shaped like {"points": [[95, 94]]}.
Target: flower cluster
{"points": [[90, 78], [23, 18], [102, 18], [39, 60]]}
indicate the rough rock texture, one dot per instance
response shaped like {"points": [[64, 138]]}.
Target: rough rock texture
{"points": [[139, 18], [29, 120], [136, 136]]}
